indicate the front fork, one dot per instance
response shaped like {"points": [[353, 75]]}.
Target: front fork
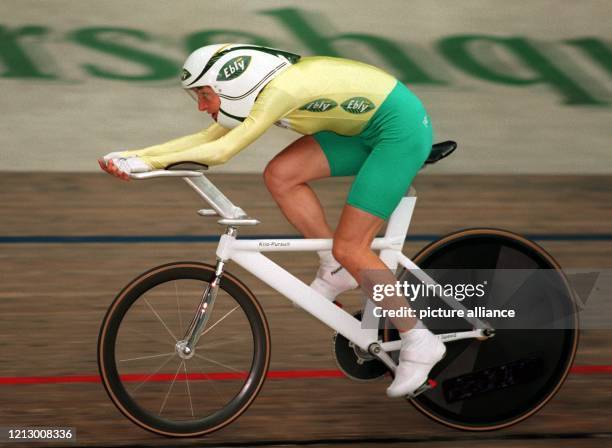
{"points": [[185, 347]]}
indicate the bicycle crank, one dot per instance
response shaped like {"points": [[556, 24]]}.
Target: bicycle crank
{"points": [[355, 363]]}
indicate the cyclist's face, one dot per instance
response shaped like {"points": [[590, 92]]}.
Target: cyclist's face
{"points": [[208, 101]]}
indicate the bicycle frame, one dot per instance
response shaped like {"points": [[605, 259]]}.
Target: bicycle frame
{"points": [[250, 255]]}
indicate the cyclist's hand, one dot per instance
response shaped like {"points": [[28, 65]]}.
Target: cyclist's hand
{"points": [[103, 162], [122, 167]]}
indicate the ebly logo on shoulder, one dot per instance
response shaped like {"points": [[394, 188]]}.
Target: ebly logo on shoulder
{"points": [[234, 68], [319, 105], [358, 105]]}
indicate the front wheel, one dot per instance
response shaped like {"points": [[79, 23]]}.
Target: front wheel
{"points": [[143, 372], [494, 383]]}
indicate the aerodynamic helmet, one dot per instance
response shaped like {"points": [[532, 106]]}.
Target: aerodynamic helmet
{"points": [[235, 72]]}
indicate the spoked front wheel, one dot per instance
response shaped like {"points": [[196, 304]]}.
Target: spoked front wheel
{"points": [[159, 387], [496, 382]]}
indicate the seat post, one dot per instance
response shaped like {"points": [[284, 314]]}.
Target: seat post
{"points": [[399, 222]]}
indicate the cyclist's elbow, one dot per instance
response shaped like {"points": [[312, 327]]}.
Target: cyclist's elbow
{"points": [[222, 157], [217, 159]]}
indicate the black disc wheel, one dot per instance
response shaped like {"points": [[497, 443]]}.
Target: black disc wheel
{"points": [[160, 388], [496, 382]]}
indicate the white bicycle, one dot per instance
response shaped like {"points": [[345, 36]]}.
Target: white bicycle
{"points": [[181, 373]]}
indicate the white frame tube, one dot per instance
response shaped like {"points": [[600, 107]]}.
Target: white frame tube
{"points": [[248, 254]]}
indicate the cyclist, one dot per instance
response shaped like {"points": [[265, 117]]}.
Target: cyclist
{"points": [[356, 120]]}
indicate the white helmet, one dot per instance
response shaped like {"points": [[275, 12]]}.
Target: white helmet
{"points": [[235, 72]]}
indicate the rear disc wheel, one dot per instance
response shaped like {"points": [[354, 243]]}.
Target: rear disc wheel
{"points": [[497, 382]]}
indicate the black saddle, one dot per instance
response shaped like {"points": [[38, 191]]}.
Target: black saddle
{"points": [[441, 150]]}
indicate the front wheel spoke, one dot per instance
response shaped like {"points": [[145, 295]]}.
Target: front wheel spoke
{"points": [[146, 336], [178, 307], [156, 370], [218, 363], [161, 409], [219, 321], [209, 344], [146, 357], [188, 390], [161, 320], [209, 381]]}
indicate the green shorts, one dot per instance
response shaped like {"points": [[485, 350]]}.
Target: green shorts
{"points": [[385, 156]]}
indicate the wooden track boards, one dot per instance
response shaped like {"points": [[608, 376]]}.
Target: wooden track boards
{"points": [[53, 297]]}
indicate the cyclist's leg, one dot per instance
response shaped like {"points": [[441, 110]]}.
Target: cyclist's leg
{"points": [[286, 177], [309, 158], [352, 240], [381, 183], [377, 190]]}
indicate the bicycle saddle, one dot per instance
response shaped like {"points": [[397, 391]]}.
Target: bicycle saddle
{"points": [[441, 150]]}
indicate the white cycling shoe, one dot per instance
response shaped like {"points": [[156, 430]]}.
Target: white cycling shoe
{"points": [[421, 350], [332, 279]]}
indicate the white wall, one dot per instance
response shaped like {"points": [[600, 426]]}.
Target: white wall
{"points": [[66, 123]]}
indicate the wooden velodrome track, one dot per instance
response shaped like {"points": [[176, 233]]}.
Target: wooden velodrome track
{"points": [[54, 293]]}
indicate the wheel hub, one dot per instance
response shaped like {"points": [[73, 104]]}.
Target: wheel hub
{"points": [[183, 350]]}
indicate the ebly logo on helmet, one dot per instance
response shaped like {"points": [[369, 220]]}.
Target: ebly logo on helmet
{"points": [[358, 105], [185, 74], [234, 68], [319, 105]]}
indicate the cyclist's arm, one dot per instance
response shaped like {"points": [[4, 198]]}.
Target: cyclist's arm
{"points": [[213, 132], [271, 105]]}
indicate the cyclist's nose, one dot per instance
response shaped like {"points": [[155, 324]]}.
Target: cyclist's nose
{"points": [[202, 105]]}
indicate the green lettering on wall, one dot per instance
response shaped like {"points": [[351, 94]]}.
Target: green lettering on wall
{"points": [[101, 39], [17, 62], [455, 49], [295, 22], [201, 38], [595, 49]]}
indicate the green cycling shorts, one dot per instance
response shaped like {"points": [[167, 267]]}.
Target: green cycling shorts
{"points": [[385, 156]]}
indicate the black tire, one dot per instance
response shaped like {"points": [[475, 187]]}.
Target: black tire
{"points": [[243, 387], [549, 352]]}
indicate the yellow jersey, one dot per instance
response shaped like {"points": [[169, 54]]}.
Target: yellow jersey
{"points": [[315, 94]]}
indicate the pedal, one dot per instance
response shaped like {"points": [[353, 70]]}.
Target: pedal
{"points": [[427, 385]]}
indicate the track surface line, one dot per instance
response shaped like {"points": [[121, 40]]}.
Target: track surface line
{"points": [[223, 376]]}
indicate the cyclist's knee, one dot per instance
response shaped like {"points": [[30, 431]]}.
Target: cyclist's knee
{"points": [[344, 250], [275, 176]]}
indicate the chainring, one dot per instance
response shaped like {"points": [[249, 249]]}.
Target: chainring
{"points": [[354, 362]]}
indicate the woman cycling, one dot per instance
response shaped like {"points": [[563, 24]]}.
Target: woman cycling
{"points": [[356, 120]]}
